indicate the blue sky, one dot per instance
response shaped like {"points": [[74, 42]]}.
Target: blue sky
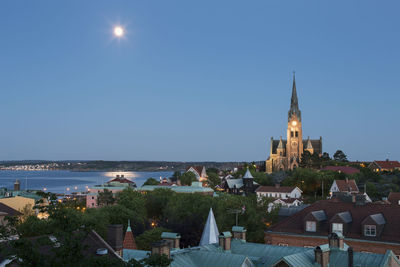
{"points": [[196, 80]]}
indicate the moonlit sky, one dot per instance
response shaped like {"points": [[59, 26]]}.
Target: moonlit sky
{"points": [[196, 80]]}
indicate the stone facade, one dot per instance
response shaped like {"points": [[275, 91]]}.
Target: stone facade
{"points": [[286, 154]]}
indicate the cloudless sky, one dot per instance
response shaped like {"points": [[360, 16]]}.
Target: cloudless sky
{"points": [[196, 80]]}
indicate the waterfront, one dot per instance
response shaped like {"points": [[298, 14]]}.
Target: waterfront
{"points": [[60, 181]]}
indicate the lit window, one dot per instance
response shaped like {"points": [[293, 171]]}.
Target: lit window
{"points": [[311, 226], [337, 227], [370, 230]]}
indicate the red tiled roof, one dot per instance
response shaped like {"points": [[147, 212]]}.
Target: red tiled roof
{"points": [[388, 164], [121, 180], [345, 185], [295, 224], [281, 189], [344, 169], [394, 198], [198, 169], [129, 241]]}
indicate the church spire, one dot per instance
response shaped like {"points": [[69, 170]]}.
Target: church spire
{"points": [[210, 232], [294, 103]]}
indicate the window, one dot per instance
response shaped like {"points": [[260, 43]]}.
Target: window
{"points": [[311, 226], [370, 230], [337, 227], [309, 246], [92, 197], [291, 134], [297, 134], [282, 244], [92, 204]]}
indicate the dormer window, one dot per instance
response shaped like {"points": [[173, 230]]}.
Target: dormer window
{"points": [[370, 230], [311, 226], [337, 227]]}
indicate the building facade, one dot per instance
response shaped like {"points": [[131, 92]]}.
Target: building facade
{"points": [[285, 154]]}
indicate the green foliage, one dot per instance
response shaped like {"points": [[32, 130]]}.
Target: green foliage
{"points": [[148, 237], [262, 178], [187, 178], [213, 179], [340, 156], [176, 176], [134, 201], [157, 260], [156, 202], [105, 198], [151, 181]]}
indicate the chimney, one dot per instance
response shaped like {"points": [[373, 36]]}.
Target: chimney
{"points": [[17, 185], [239, 232], [160, 248], [225, 240], [336, 240], [117, 175], [115, 237], [122, 175], [322, 256], [277, 185], [173, 239], [350, 256]]}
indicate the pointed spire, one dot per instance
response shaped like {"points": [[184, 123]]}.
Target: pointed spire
{"points": [[280, 145], [210, 232], [129, 240], [248, 175], [309, 145], [294, 102]]}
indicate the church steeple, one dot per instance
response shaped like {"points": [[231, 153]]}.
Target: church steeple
{"points": [[294, 103]]}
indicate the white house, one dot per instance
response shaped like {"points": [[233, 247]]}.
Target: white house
{"points": [[288, 202], [347, 185], [279, 192], [199, 172]]}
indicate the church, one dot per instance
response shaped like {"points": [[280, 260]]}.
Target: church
{"points": [[285, 154]]}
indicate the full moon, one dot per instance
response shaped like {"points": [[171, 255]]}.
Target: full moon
{"points": [[118, 31]]}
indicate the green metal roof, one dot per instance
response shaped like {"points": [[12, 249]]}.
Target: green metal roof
{"points": [[170, 235], [226, 234], [136, 254], [238, 229], [178, 189]]}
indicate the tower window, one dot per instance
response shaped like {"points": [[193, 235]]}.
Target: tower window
{"points": [[297, 134], [291, 134]]}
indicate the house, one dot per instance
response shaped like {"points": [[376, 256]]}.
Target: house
{"points": [[394, 198], [246, 184], [118, 184], [384, 165], [230, 249], [196, 187], [280, 192], [199, 172], [367, 227], [24, 201], [93, 245], [341, 169], [344, 186], [7, 211], [287, 202]]}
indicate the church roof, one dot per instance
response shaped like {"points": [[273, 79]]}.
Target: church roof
{"points": [[248, 175], [309, 145], [129, 240], [294, 102], [210, 232]]}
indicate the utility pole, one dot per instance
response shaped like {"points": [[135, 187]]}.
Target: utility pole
{"points": [[322, 188]]}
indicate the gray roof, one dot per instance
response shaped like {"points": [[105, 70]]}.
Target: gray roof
{"points": [[210, 232], [288, 211], [319, 215], [248, 175], [346, 216], [378, 218], [234, 183]]}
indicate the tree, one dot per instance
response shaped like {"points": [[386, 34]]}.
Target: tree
{"points": [[148, 237], [151, 181], [187, 178], [134, 201], [157, 201], [340, 156], [105, 198], [176, 176], [213, 179], [325, 157], [306, 160]]}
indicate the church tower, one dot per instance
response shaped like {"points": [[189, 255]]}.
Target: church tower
{"points": [[294, 145]]}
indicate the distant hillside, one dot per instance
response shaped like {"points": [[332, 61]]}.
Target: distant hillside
{"points": [[100, 165]]}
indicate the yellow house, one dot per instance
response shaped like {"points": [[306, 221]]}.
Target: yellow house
{"points": [[20, 203]]}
